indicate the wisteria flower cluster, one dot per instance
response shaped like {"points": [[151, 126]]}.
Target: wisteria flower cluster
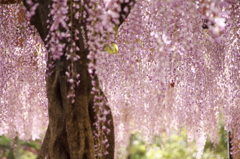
{"points": [[23, 103], [177, 66]]}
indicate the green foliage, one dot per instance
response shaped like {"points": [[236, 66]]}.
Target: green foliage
{"points": [[175, 146], [220, 149], [111, 48], [18, 149], [172, 146]]}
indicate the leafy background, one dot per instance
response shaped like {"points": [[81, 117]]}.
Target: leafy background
{"points": [[167, 146]]}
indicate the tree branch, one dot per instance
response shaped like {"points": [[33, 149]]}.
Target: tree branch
{"points": [[123, 8], [126, 7], [10, 1]]}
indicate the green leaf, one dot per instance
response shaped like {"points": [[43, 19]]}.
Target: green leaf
{"points": [[111, 48], [116, 30]]}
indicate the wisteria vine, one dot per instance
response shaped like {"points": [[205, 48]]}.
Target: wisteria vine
{"points": [[175, 66]]}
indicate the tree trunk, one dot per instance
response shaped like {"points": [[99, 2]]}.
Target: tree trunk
{"points": [[70, 131]]}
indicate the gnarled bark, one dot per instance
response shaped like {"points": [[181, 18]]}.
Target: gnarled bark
{"points": [[70, 130]]}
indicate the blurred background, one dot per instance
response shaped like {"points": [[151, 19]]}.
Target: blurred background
{"points": [[167, 146]]}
